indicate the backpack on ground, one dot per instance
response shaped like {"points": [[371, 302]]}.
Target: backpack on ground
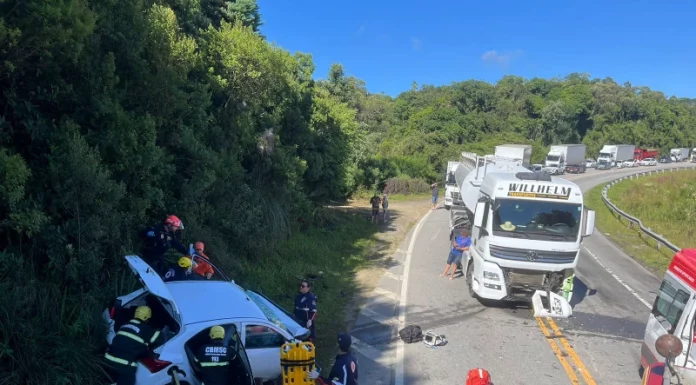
{"points": [[478, 377], [411, 334]]}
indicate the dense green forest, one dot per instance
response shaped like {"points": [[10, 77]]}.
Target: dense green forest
{"points": [[115, 113]]}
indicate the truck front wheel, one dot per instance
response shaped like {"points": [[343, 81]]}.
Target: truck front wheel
{"points": [[470, 279]]}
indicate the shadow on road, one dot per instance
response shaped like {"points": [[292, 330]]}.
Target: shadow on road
{"points": [[580, 291]]}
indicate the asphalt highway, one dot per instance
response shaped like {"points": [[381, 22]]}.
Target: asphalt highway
{"points": [[599, 344]]}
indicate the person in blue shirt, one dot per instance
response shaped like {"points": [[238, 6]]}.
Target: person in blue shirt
{"points": [[306, 308], [460, 245]]}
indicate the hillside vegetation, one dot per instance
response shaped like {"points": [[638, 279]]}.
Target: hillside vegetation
{"points": [[115, 113]]}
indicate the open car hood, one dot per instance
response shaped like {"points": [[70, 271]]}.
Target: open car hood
{"points": [[152, 281]]}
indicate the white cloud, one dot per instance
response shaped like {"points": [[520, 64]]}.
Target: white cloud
{"points": [[501, 59], [416, 43]]}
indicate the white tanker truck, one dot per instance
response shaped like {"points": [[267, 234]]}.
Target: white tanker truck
{"points": [[526, 229]]}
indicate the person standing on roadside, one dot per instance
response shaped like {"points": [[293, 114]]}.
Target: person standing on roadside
{"points": [[375, 201], [436, 192], [385, 205], [460, 245], [306, 308]]}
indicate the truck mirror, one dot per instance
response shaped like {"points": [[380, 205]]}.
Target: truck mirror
{"points": [[589, 223], [478, 215]]}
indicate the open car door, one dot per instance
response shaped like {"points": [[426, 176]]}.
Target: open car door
{"points": [[153, 282]]}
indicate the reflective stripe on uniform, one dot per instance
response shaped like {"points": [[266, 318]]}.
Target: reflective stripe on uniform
{"points": [[119, 360], [214, 364], [132, 336], [154, 336]]}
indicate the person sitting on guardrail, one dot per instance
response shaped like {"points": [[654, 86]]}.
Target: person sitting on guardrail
{"points": [[460, 245]]}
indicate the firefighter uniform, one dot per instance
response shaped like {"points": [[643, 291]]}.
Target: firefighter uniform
{"points": [[214, 359], [158, 239], [132, 343]]}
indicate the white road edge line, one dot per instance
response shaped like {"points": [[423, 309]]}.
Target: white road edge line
{"points": [[399, 371], [616, 277]]}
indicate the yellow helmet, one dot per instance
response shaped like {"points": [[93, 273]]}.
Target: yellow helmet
{"points": [[185, 262], [143, 313], [217, 332]]}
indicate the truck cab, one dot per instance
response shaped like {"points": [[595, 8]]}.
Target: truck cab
{"points": [[674, 312], [526, 230], [555, 163]]}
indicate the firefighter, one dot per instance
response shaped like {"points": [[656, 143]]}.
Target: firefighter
{"points": [[344, 370], [183, 271], [306, 307], [132, 343], [159, 239], [215, 358], [203, 267]]}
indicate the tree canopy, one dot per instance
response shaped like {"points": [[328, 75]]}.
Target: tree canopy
{"points": [[115, 113]]}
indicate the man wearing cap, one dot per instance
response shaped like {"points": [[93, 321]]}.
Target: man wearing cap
{"points": [[344, 370]]}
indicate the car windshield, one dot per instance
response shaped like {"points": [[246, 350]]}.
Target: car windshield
{"points": [[532, 218], [272, 313]]}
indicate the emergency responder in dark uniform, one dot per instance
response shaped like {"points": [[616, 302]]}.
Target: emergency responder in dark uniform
{"points": [[344, 370], [182, 271], [215, 358], [132, 343], [159, 239], [306, 308]]}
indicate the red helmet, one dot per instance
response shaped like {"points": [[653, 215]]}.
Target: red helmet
{"points": [[173, 220]]}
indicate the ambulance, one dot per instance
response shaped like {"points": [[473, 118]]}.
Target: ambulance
{"points": [[674, 312]]}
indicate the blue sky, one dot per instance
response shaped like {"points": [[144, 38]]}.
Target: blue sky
{"points": [[389, 44]]}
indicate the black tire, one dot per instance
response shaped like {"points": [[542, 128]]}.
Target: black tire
{"points": [[470, 280]]}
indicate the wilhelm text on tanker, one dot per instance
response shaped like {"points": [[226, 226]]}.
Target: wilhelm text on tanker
{"points": [[527, 190]]}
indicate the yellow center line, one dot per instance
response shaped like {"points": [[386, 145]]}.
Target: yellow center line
{"points": [[566, 366], [573, 355]]}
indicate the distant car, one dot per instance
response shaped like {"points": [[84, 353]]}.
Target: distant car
{"points": [[665, 159], [590, 163], [629, 163], [536, 167], [575, 169], [186, 310], [648, 162]]}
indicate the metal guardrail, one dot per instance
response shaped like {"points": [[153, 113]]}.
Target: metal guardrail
{"points": [[660, 239]]}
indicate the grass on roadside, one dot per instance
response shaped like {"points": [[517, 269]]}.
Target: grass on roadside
{"points": [[334, 253], [669, 210]]}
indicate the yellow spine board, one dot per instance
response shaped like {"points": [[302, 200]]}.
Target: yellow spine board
{"points": [[297, 359]]}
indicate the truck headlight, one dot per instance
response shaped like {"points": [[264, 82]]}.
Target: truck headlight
{"points": [[491, 275]]}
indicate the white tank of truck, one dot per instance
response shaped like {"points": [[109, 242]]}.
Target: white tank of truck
{"points": [[526, 228]]}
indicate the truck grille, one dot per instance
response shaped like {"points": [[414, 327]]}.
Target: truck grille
{"points": [[540, 256], [456, 196]]}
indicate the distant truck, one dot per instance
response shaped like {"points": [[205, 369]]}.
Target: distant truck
{"points": [[522, 152], [679, 154], [614, 155], [452, 195], [562, 156], [641, 153]]}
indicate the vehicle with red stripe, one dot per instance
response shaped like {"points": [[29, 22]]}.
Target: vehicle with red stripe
{"points": [[673, 312]]}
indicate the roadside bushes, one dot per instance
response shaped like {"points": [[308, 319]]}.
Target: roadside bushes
{"points": [[406, 185]]}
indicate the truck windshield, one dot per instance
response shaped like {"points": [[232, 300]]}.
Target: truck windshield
{"points": [[604, 155], [553, 158], [533, 218], [670, 303]]}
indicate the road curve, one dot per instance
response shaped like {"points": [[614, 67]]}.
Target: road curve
{"points": [[600, 343]]}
